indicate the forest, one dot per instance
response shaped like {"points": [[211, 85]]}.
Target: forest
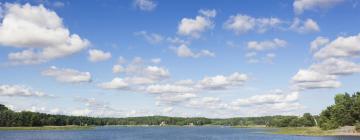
{"points": [[345, 111]]}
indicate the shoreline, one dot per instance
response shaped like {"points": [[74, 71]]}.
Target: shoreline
{"points": [[67, 127], [313, 131]]}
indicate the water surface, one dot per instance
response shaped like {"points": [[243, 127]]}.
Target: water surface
{"points": [[158, 133]]}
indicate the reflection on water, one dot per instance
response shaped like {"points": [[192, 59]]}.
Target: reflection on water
{"points": [[158, 133]]}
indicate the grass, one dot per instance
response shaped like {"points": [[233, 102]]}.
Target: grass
{"points": [[68, 127], [249, 126], [305, 131]]}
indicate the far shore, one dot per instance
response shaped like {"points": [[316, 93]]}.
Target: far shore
{"points": [[67, 127]]}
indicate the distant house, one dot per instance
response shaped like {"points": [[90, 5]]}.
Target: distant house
{"points": [[163, 123]]}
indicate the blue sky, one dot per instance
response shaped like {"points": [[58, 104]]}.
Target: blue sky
{"points": [[177, 58]]}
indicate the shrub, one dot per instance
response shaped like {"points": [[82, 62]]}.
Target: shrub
{"points": [[357, 127]]}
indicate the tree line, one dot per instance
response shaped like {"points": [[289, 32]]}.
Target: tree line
{"points": [[9, 118], [345, 111]]}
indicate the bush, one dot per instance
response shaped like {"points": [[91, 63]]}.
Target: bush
{"points": [[357, 127]]}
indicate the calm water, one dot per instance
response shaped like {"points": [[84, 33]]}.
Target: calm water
{"points": [[158, 133]]}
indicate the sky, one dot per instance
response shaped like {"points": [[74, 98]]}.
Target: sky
{"points": [[216, 59]]}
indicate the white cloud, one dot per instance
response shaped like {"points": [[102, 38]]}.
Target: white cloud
{"points": [[302, 5], [40, 32], [194, 27], [241, 24], [168, 110], [169, 89], [335, 66], [140, 80], [309, 79], [175, 41], [266, 45], [223, 82], [340, 47], [98, 55], [306, 26], [152, 38], [206, 103], [116, 83], [67, 75], [145, 5], [156, 72], [207, 12], [118, 69], [19, 90], [274, 97], [318, 42], [137, 73], [334, 59], [175, 98], [81, 112], [185, 51]]}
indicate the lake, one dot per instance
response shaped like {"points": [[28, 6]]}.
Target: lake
{"points": [[158, 133]]}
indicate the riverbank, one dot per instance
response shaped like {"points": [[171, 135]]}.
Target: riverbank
{"points": [[315, 131], [249, 126], [68, 127]]}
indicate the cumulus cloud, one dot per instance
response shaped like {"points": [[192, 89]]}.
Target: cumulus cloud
{"points": [[98, 55], [145, 5], [318, 42], [333, 59], [274, 97], [341, 47], [302, 5], [39, 32], [305, 26], [336, 66], [223, 82], [152, 38], [308, 79], [169, 88], [116, 83], [137, 74], [185, 51], [19, 90], [266, 45], [118, 68], [194, 27], [67, 75], [241, 24], [174, 98]]}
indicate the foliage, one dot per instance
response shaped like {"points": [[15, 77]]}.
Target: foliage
{"points": [[357, 127], [345, 111], [9, 118]]}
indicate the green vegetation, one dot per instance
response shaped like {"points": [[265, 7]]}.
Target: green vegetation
{"points": [[307, 131], [345, 112], [68, 127], [357, 127], [9, 118]]}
